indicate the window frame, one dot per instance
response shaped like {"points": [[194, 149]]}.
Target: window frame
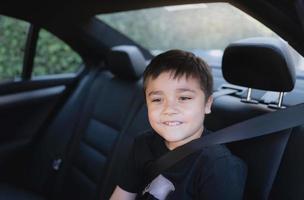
{"points": [[30, 52]]}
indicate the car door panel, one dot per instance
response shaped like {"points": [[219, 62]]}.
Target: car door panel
{"points": [[23, 116]]}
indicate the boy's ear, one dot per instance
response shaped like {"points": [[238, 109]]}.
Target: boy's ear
{"points": [[208, 105]]}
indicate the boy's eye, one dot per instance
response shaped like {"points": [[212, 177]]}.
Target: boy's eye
{"points": [[185, 98], [156, 100]]}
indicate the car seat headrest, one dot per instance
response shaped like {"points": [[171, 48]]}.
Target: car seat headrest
{"points": [[259, 63], [126, 62]]}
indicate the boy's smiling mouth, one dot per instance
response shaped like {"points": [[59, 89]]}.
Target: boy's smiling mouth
{"points": [[172, 123]]}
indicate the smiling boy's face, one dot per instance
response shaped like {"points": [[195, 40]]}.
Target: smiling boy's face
{"points": [[176, 108]]}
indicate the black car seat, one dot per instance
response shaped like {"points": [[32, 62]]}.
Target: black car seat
{"points": [[73, 157], [264, 64], [112, 107]]}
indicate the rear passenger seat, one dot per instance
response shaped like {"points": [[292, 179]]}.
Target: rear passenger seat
{"points": [[90, 133], [112, 106]]}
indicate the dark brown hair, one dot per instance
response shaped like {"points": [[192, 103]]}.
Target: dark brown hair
{"points": [[180, 63]]}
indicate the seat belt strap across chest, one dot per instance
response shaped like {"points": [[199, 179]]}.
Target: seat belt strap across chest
{"points": [[255, 127]]}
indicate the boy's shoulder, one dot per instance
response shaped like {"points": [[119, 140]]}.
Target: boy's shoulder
{"points": [[219, 158], [217, 153], [147, 137], [150, 143]]}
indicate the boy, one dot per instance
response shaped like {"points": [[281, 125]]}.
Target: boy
{"points": [[178, 89]]}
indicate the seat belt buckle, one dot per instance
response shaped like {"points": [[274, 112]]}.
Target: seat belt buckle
{"points": [[56, 164]]}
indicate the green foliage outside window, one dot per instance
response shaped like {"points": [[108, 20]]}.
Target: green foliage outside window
{"points": [[13, 35], [189, 27], [53, 56]]}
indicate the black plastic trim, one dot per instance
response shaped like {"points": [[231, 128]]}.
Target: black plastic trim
{"points": [[30, 51]]}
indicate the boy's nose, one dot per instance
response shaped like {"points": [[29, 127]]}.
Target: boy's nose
{"points": [[170, 108]]}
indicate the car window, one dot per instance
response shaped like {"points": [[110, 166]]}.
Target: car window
{"points": [[13, 35], [205, 29], [53, 56]]}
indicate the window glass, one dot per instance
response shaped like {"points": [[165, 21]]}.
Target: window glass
{"points": [[204, 29], [13, 34], [53, 56], [197, 26]]}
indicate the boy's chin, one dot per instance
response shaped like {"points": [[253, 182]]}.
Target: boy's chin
{"points": [[178, 138], [173, 143], [173, 138]]}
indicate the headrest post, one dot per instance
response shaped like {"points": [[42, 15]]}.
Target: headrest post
{"points": [[248, 97], [279, 104], [281, 95]]}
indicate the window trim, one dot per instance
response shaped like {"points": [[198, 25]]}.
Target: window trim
{"points": [[29, 52]]}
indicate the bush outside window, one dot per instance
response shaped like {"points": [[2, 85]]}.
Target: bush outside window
{"points": [[13, 35], [205, 29], [53, 56]]}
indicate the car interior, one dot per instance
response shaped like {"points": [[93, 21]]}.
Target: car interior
{"points": [[68, 136]]}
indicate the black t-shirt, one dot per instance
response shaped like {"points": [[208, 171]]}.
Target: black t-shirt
{"points": [[212, 173]]}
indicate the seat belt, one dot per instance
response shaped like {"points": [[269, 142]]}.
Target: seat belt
{"points": [[255, 127]]}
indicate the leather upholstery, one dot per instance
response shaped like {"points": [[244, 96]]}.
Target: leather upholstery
{"points": [[126, 62], [260, 63]]}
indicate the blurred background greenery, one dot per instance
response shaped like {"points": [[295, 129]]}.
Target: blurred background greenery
{"points": [[189, 27], [52, 55], [12, 39], [198, 27]]}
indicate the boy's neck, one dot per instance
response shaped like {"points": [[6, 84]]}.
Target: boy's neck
{"points": [[173, 145]]}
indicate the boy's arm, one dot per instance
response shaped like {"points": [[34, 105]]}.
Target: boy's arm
{"points": [[120, 194]]}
